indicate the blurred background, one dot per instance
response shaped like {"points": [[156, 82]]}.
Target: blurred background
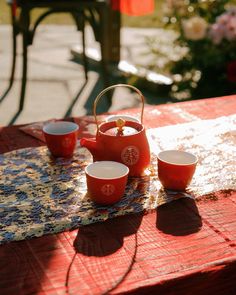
{"points": [[170, 54]]}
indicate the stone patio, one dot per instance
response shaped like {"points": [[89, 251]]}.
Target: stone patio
{"points": [[54, 78]]}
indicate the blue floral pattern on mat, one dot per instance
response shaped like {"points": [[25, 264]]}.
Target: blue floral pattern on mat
{"points": [[39, 195]]}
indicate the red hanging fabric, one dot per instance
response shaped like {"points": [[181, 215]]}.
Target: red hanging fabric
{"points": [[134, 7]]}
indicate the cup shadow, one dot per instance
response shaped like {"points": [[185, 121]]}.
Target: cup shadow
{"points": [[105, 238], [102, 239], [179, 217]]}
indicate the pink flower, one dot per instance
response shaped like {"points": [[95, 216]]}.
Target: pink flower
{"points": [[230, 33], [224, 27], [216, 33]]}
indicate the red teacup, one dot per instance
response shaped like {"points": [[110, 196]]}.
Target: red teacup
{"points": [[176, 169], [61, 138], [106, 181]]}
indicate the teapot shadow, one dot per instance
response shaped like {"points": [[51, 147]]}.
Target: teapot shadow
{"points": [[102, 239], [179, 217]]}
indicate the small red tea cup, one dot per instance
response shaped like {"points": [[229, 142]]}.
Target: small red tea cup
{"points": [[106, 181], [61, 138], [176, 169]]}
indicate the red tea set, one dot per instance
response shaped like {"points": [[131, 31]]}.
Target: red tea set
{"points": [[120, 149]]}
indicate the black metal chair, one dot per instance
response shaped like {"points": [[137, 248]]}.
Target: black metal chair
{"points": [[95, 12]]}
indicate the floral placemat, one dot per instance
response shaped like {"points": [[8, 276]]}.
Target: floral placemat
{"points": [[214, 143], [39, 195]]}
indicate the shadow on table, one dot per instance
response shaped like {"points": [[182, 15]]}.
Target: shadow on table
{"points": [[23, 265], [179, 217], [102, 239]]}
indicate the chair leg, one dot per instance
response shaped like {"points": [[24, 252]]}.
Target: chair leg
{"points": [[27, 39], [103, 15], [98, 19], [85, 60], [79, 18], [24, 71], [11, 80]]}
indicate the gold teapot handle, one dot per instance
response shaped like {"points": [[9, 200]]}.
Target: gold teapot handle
{"points": [[112, 87]]}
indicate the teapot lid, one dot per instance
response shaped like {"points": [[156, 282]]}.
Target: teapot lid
{"points": [[120, 128]]}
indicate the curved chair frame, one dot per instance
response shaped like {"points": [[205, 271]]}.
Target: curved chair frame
{"points": [[80, 10]]}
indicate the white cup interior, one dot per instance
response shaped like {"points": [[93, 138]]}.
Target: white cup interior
{"points": [[124, 117], [60, 128], [176, 157], [107, 170]]}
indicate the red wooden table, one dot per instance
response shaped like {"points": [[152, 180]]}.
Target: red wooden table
{"points": [[184, 247]]}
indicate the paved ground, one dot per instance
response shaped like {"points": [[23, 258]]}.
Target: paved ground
{"points": [[54, 78]]}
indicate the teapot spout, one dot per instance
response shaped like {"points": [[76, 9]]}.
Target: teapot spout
{"points": [[92, 146]]}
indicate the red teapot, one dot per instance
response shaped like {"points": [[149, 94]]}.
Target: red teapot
{"points": [[121, 141]]}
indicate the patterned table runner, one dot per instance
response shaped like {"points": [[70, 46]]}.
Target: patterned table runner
{"points": [[40, 196]]}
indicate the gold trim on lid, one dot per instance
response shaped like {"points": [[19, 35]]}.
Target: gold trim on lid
{"points": [[120, 123]]}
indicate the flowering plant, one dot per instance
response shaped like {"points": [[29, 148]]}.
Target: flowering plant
{"points": [[207, 30]]}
